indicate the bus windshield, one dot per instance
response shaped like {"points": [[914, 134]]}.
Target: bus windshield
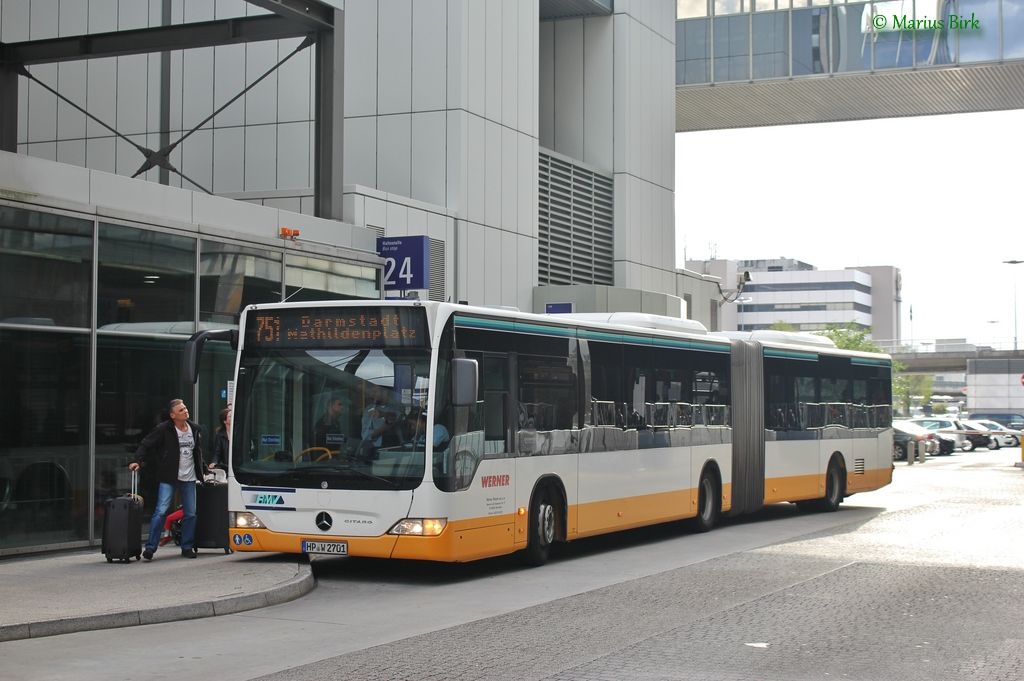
{"points": [[331, 417]]}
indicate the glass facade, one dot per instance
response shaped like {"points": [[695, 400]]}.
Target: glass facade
{"points": [[263, 141], [84, 377], [756, 39]]}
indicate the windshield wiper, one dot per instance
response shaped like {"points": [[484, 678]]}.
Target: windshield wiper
{"points": [[348, 469]]}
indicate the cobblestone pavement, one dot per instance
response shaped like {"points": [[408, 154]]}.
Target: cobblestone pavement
{"points": [[921, 591]]}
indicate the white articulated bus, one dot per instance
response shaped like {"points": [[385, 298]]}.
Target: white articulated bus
{"points": [[421, 430]]}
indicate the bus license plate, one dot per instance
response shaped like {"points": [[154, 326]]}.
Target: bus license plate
{"points": [[330, 548]]}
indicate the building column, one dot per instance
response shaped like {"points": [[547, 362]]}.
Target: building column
{"points": [[8, 108], [329, 120]]}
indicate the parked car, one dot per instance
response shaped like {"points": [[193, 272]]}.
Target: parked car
{"points": [[906, 432], [946, 444], [1011, 421], [967, 439], [1000, 434]]}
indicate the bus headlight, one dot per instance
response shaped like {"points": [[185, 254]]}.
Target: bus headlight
{"points": [[246, 520], [420, 527]]}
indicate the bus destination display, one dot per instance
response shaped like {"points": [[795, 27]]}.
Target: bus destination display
{"points": [[337, 327]]}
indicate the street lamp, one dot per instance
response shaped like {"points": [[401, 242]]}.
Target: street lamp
{"points": [[1014, 262]]}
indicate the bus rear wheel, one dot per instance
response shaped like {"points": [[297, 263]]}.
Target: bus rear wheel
{"points": [[543, 519], [707, 503], [834, 488]]}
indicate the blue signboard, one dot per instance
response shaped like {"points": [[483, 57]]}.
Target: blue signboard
{"points": [[558, 308], [406, 262]]}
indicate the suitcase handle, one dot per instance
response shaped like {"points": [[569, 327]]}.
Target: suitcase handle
{"points": [[135, 483]]}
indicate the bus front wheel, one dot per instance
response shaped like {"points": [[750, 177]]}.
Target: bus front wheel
{"points": [[542, 528]]}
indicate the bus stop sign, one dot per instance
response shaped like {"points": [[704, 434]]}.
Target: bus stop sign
{"points": [[406, 262]]}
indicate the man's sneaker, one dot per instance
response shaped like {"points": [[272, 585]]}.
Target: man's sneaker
{"points": [[148, 554], [188, 553]]}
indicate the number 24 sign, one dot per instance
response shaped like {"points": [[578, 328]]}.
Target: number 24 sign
{"points": [[406, 262]]}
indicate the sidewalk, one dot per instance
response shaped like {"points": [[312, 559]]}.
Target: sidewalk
{"points": [[79, 591]]}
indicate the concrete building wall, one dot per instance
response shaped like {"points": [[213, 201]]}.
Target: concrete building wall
{"points": [[886, 302], [449, 118], [607, 98], [995, 385], [723, 273]]}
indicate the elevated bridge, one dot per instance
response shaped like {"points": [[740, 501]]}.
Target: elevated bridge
{"points": [[950, 362], [747, 63]]}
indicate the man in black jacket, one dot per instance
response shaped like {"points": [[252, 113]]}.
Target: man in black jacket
{"points": [[174, 447]]}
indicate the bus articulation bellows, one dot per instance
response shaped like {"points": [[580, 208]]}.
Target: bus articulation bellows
{"points": [[421, 430]]}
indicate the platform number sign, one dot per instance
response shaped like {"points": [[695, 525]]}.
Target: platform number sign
{"points": [[406, 262]]}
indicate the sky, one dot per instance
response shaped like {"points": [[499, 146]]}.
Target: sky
{"points": [[939, 197]]}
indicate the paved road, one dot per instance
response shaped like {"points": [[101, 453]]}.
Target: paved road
{"points": [[920, 580]]}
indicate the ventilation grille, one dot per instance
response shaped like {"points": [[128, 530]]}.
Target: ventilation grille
{"points": [[858, 466], [437, 270], [574, 224]]}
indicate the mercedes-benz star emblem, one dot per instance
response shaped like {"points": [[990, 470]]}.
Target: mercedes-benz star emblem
{"points": [[323, 521]]}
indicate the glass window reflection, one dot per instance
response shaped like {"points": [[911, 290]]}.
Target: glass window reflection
{"points": [[769, 5], [732, 48], [44, 435], [771, 45], [686, 9], [693, 51], [233, 276], [1013, 30], [723, 7], [45, 268], [810, 41], [981, 43], [852, 34], [144, 277], [308, 279]]}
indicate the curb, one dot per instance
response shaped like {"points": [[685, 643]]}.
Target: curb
{"points": [[296, 587]]}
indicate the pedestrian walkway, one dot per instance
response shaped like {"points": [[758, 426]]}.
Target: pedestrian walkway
{"points": [[79, 591]]}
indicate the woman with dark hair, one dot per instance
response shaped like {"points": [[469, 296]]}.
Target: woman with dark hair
{"points": [[220, 440]]}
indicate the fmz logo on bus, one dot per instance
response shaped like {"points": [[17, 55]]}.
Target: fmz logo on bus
{"points": [[269, 500], [494, 481]]}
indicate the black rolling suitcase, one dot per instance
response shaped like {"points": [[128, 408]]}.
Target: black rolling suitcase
{"points": [[122, 526], [212, 516]]}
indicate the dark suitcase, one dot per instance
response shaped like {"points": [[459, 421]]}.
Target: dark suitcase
{"points": [[122, 526], [212, 516]]}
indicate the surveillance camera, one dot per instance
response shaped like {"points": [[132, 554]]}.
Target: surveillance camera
{"points": [[742, 279]]}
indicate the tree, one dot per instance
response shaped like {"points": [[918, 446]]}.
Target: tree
{"points": [[850, 337], [906, 386], [782, 326]]}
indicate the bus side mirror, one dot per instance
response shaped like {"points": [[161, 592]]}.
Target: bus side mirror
{"points": [[464, 382], [194, 350]]}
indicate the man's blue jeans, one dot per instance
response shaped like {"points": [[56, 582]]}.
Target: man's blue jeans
{"points": [[163, 504]]}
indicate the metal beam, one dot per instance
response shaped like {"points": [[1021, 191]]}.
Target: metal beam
{"points": [[330, 115], [8, 108], [150, 40], [315, 16]]}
